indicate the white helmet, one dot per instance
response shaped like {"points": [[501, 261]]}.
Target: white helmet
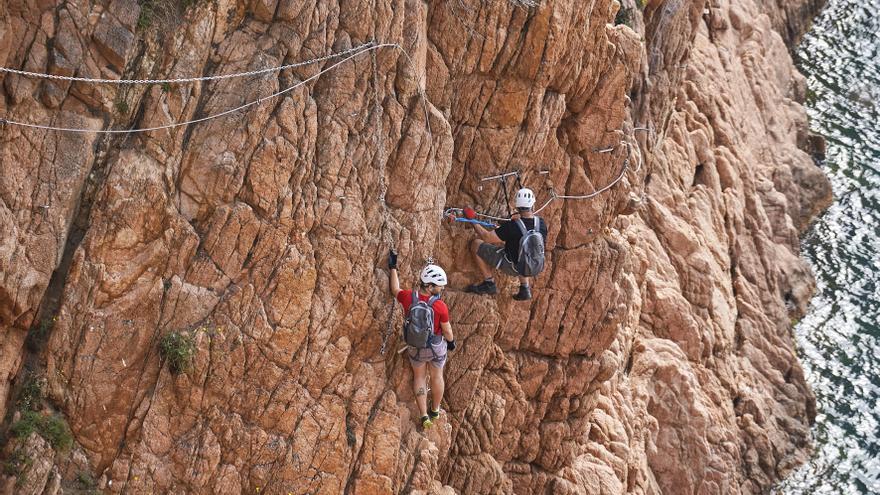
{"points": [[433, 274], [525, 198]]}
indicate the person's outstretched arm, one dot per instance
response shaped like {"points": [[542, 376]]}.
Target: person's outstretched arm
{"points": [[393, 280], [487, 235]]}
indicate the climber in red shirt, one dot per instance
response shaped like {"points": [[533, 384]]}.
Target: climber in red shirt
{"points": [[433, 280]]}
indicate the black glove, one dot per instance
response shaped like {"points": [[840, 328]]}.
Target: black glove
{"points": [[392, 260], [450, 345]]}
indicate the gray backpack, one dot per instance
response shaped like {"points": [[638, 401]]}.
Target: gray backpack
{"points": [[418, 327], [531, 250]]}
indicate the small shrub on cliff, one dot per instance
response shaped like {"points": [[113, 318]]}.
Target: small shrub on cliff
{"points": [[145, 17], [85, 481], [178, 349], [166, 13], [26, 425], [17, 465], [53, 428], [624, 16], [122, 106], [31, 394]]}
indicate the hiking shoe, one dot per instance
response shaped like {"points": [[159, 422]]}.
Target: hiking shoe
{"points": [[484, 287], [524, 293], [426, 422], [434, 414]]}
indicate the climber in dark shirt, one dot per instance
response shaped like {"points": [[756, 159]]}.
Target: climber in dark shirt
{"points": [[499, 248]]}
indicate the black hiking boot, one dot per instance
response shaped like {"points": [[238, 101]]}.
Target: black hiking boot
{"points": [[484, 287], [434, 414], [524, 293]]}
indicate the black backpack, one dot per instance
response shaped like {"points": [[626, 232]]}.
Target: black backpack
{"points": [[531, 249], [418, 327]]}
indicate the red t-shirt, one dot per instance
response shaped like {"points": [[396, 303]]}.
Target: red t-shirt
{"points": [[441, 312]]}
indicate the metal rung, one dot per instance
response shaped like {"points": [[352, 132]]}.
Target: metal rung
{"points": [[500, 176]]}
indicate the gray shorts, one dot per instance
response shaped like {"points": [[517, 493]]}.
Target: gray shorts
{"points": [[496, 258], [436, 354]]}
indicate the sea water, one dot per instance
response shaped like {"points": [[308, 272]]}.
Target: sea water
{"points": [[839, 339]]}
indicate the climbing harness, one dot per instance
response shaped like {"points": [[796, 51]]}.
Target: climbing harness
{"points": [[456, 215], [478, 222]]}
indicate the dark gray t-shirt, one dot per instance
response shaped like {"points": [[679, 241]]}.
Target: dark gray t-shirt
{"points": [[509, 233]]}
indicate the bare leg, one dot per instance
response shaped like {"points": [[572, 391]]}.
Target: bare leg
{"points": [[420, 388], [524, 281], [438, 386], [484, 268]]}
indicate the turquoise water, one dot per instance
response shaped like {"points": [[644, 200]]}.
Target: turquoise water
{"points": [[839, 340]]}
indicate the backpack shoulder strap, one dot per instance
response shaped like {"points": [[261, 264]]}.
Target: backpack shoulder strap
{"points": [[415, 298], [431, 302], [521, 225], [537, 224]]}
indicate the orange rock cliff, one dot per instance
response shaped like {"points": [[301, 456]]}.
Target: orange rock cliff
{"points": [[202, 308]]}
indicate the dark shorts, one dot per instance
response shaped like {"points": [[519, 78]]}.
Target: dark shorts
{"points": [[496, 258], [436, 354]]}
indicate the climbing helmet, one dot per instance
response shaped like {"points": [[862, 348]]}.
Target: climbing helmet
{"points": [[525, 198], [433, 274]]}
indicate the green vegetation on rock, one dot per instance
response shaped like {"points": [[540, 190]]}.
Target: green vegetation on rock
{"points": [[51, 427], [178, 349]]}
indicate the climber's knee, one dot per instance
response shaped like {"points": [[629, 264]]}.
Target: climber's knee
{"points": [[475, 245]]}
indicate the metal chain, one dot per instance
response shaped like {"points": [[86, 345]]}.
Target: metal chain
{"points": [[431, 151], [203, 119], [641, 159], [359, 50], [388, 328], [186, 79], [382, 158], [383, 187], [597, 192]]}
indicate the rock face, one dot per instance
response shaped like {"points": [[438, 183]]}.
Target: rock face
{"points": [[656, 356]]}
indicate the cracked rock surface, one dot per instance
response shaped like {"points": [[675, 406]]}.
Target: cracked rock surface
{"points": [[656, 356]]}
